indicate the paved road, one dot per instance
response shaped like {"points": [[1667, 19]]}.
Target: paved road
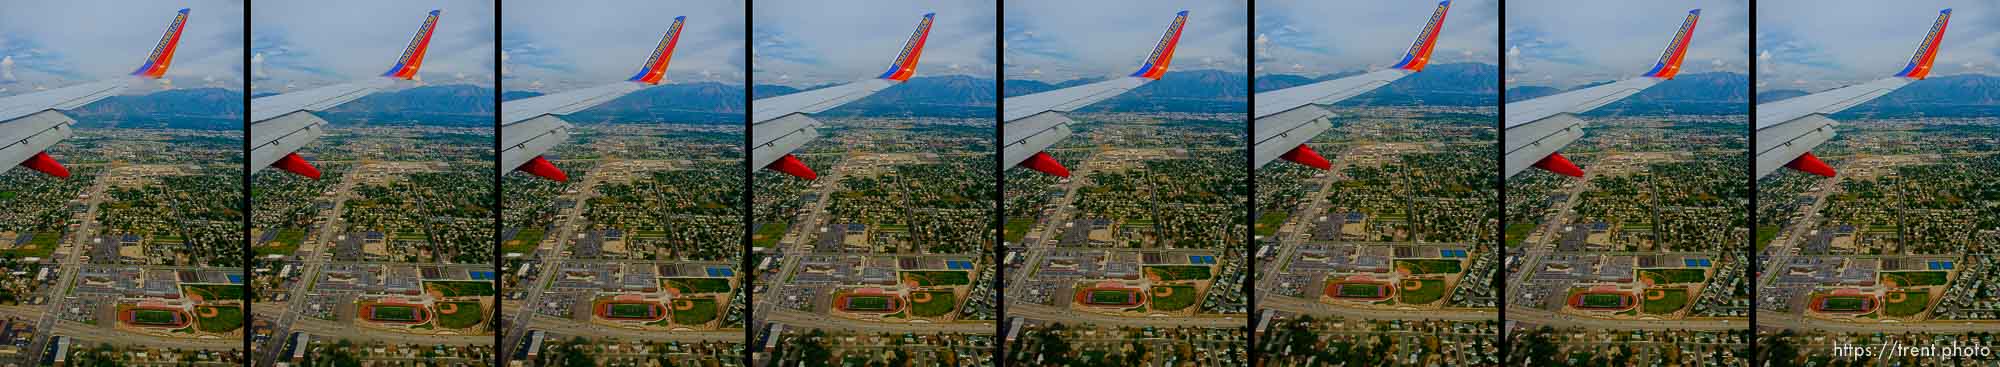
{"points": [[552, 258]]}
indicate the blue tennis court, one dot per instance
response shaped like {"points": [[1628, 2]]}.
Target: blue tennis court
{"points": [[1201, 259], [1940, 265], [1451, 253], [957, 264], [236, 279], [482, 275], [721, 272], [1696, 263]]}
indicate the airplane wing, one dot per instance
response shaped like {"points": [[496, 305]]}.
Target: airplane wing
{"points": [[529, 127], [1034, 122], [281, 124], [31, 123], [1287, 118], [780, 125], [1537, 128], [1788, 130]]}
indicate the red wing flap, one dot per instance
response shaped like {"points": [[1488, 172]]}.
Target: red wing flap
{"points": [[1306, 156], [791, 165], [541, 167], [1555, 162], [295, 164], [1045, 163], [1809, 164], [43, 163]]}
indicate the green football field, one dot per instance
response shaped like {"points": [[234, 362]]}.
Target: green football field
{"points": [[1110, 297], [1359, 290], [868, 303], [1844, 304], [153, 317], [394, 313], [631, 310], [1603, 300]]}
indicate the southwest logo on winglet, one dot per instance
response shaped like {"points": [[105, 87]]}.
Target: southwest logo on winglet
{"points": [[656, 67], [163, 53], [1670, 60], [1420, 52], [1163, 54], [1920, 64], [413, 56], [906, 63]]}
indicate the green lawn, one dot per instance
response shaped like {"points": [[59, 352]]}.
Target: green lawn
{"points": [[286, 242], [942, 303], [938, 277], [1518, 232], [214, 292], [524, 241], [1110, 297], [154, 317], [1179, 272], [699, 285], [703, 311], [1017, 229], [859, 303], [43, 244], [1843, 304], [631, 310], [1915, 278], [768, 234], [469, 314], [1429, 266], [1673, 276], [461, 288], [393, 313], [1181, 297], [1674, 300], [1600, 300], [1913, 303], [1360, 290], [1268, 223], [1430, 291], [226, 318], [1766, 233]]}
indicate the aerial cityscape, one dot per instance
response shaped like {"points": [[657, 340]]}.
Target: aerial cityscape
{"points": [[373, 238], [624, 245], [1124, 233], [1377, 234]]}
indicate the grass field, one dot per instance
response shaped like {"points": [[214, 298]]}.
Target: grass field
{"points": [[153, 317], [1429, 266], [1915, 278], [393, 313], [469, 314], [286, 242], [1360, 290], [1429, 290], [699, 285], [768, 234], [524, 241], [1600, 300], [1110, 297], [940, 304], [1766, 233], [1179, 272], [1017, 229], [457, 288], [1844, 304], [702, 312], [1673, 299], [226, 318], [1177, 297], [859, 303], [1673, 276], [41, 245], [1518, 232], [938, 278], [1268, 223], [630, 310], [213, 292], [1913, 303]]}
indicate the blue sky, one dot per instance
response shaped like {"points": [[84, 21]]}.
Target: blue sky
{"points": [[563, 45], [809, 42], [1058, 40], [1818, 45], [1320, 37], [1564, 43], [47, 44], [300, 44]]}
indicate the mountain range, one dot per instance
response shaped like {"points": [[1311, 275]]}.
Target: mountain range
{"points": [[1196, 91], [1715, 93], [192, 108], [1459, 84], [955, 96], [1965, 95], [705, 102]]}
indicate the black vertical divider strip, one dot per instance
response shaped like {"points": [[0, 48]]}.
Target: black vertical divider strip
{"points": [[748, 283], [1250, 182], [249, 297], [1750, 169], [1500, 155], [999, 185], [499, 315]]}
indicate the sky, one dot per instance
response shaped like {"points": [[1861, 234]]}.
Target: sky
{"points": [[50, 44], [1060, 40], [1314, 38], [1817, 45], [554, 46], [1564, 43], [812, 42], [303, 44]]}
